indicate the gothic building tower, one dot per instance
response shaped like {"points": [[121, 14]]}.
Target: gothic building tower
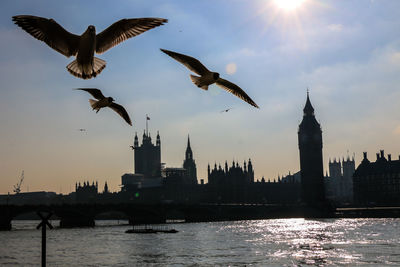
{"points": [[335, 169], [349, 166], [250, 172], [105, 191], [189, 165], [147, 156], [311, 165]]}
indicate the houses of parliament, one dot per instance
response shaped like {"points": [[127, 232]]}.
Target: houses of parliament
{"points": [[227, 183], [236, 183], [370, 184]]}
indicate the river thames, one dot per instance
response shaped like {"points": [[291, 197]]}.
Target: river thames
{"points": [[280, 242]]}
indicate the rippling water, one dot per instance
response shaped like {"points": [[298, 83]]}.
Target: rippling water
{"points": [[282, 242]]}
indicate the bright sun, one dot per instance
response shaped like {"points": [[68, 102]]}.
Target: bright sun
{"points": [[288, 4]]}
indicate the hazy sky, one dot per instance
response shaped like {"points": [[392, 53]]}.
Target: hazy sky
{"points": [[346, 52]]}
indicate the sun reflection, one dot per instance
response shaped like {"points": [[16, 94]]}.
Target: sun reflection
{"points": [[308, 242], [316, 242]]}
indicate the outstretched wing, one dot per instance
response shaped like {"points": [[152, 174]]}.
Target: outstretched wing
{"points": [[50, 32], [122, 112], [96, 93], [236, 90], [124, 29], [190, 62]]}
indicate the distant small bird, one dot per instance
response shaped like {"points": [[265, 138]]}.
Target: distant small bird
{"points": [[84, 46], [82, 130], [105, 102], [226, 110], [207, 77]]}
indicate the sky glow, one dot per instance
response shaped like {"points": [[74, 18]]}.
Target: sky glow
{"points": [[346, 52], [289, 4]]}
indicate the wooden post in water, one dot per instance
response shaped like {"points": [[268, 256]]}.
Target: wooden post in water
{"points": [[43, 224]]}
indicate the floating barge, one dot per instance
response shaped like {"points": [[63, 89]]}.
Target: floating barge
{"points": [[144, 229]]}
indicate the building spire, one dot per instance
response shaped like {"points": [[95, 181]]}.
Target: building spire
{"points": [[308, 108], [105, 188], [189, 153], [158, 141], [136, 141]]}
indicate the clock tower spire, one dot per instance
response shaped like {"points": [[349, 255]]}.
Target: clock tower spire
{"points": [[311, 164]]}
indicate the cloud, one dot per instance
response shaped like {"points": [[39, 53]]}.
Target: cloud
{"points": [[335, 27], [381, 67]]}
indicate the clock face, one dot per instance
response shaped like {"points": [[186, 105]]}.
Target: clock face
{"points": [[317, 137], [304, 138]]}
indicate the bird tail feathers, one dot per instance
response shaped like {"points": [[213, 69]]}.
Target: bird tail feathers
{"points": [[93, 104], [197, 81], [87, 71], [98, 65]]}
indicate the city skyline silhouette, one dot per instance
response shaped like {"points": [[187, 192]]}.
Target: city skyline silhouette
{"points": [[350, 64]]}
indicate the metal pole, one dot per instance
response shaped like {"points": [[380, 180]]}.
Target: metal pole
{"points": [[44, 224], [147, 129], [44, 245]]}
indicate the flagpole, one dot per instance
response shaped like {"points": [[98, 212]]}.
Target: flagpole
{"points": [[147, 128]]}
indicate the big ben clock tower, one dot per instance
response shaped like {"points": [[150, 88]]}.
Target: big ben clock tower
{"points": [[311, 165]]}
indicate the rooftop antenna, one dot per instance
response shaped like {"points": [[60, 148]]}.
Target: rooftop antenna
{"points": [[17, 187]]}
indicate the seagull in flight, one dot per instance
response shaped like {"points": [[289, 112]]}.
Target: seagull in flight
{"points": [[103, 102], [82, 130], [84, 46], [207, 77], [226, 110]]}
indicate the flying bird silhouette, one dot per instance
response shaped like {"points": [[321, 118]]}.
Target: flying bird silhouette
{"points": [[207, 77], [84, 46], [226, 110], [105, 102], [82, 130]]}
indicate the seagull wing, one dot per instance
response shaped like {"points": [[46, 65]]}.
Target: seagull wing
{"points": [[50, 32], [123, 30], [190, 62], [121, 111], [236, 90], [96, 93]]}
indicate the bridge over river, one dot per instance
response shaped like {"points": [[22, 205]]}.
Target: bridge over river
{"points": [[80, 215]]}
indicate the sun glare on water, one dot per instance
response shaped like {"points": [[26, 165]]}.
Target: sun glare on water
{"points": [[288, 4]]}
